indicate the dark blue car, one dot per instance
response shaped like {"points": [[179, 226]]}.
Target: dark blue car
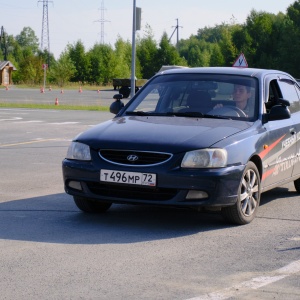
{"points": [[211, 138]]}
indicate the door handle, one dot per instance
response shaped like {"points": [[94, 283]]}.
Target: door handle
{"points": [[292, 131]]}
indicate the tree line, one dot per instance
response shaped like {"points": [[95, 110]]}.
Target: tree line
{"points": [[267, 40]]}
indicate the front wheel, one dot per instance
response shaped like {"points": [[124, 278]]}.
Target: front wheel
{"points": [[90, 206], [297, 185], [245, 209]]}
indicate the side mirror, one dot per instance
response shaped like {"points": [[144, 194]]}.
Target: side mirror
{"points": [[278, 112], [116, 106]]}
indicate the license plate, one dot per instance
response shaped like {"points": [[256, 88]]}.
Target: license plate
{"points": [[147, 179]]}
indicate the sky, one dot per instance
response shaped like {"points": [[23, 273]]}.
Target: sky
{"points": [[74, 20]]}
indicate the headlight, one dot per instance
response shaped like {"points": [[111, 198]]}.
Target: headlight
{"points": [[205, 158], [79, 151]]}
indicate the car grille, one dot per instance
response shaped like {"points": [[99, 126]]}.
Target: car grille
{"points": [[129, 192], [134, 158]]}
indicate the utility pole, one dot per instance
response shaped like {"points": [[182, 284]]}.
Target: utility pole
{"points": [[102, 21], [132, 91], [176, 28], [45, 40]]}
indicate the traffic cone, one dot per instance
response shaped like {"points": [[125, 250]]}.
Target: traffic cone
{"points": [[80, 90], [56, 101]]}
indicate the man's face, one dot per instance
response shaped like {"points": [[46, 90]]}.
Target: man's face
{"points": [[240, 93]]}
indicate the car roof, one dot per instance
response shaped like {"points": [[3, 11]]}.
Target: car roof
{"points": [[253, 72]]}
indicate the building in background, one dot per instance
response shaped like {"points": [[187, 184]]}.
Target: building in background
{"points": [[6, 69]]}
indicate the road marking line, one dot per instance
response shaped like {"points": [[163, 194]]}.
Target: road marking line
{"points": [[64, 123], [31, 142], [33, 121], [252, 284], [12, 119]]}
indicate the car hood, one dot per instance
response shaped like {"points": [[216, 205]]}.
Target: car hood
{"points": [[162, 134]]}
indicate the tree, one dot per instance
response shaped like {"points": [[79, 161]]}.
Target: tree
{"points": [[62, 71], [216, 57], [259, 26], [30, 70], [146, 52], [123, 56], [167, 54], [195, 52], [27, 39], [103, 62], [80, 60]]}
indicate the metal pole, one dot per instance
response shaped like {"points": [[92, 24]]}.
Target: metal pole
{"points": [[133, 51]]}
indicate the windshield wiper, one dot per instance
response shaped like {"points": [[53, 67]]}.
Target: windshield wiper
{"points": [[195, 114], [189, 114], [144, 113], [138, 113]]}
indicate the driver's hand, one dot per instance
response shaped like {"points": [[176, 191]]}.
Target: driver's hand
{"points": [[218, 106]]}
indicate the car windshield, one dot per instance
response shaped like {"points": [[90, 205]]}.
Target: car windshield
{"points": [[198, 95]]}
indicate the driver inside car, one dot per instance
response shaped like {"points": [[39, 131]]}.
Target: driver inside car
{"points": [[241, 95]]}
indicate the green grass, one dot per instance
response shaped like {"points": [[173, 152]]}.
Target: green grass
{"points": [[52, 106], [74, 86]]}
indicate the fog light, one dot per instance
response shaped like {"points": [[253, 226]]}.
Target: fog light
{"points": [[75, 185], [194, 194]]}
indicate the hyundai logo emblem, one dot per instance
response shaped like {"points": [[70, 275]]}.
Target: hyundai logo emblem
{"points": [[132, 157]]}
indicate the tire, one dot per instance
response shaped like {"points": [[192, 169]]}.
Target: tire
{"points": [[297, 185], [89, 206], [125, 91], [245, 209]]}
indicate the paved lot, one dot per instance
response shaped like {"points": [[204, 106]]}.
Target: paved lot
{"points": [[50, 250], [103, 97]]}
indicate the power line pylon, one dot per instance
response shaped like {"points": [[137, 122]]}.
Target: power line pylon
{"points": [[176, 28], [102, 21], [45, 40]]}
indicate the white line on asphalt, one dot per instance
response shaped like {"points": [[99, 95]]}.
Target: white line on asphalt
{"points": [[252, 284], [64, 123], [32, 121], [12, 119]]}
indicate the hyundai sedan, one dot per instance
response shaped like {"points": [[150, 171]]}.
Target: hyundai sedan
{"points": [[201, 138]]}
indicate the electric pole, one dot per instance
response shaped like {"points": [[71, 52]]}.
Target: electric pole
{"points": [[102, 21], [176, 28], [45, 40]]}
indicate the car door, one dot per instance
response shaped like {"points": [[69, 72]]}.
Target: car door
{"points": [[280, 147], [290, 91]]}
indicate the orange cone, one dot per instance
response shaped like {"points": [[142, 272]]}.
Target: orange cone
{"points": [[56, 101]]}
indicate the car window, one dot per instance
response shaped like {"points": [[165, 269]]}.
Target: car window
{"points": [[288, 91], [212, 94]]}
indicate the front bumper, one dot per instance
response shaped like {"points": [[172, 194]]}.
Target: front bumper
{"points": [[173, 185]]}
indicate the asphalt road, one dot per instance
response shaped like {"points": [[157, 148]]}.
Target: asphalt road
{"points": [[50, 250], [103, 97]]}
